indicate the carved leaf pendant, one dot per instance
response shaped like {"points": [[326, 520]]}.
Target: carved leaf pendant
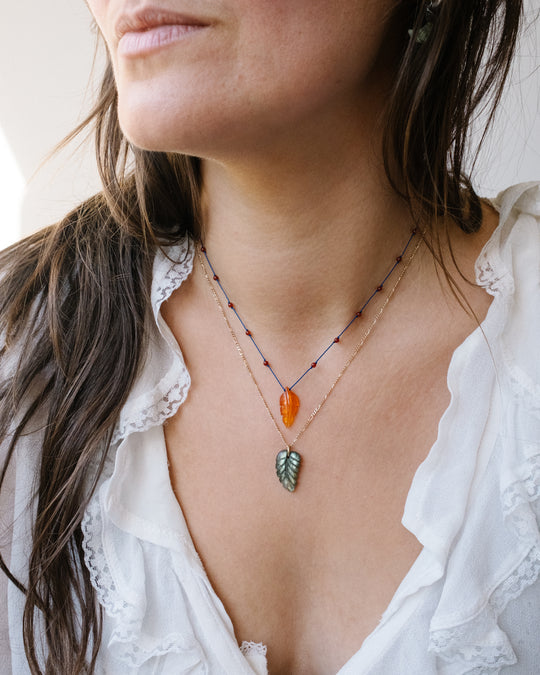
{"points": [[288, 406], [287, 468]]}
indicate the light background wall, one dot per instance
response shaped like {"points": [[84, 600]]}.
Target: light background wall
{"points": [[46, 55]]}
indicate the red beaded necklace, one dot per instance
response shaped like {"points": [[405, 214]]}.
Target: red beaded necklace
{"points": [[289, 402]]}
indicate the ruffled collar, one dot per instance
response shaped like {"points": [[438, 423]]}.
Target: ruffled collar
{"points": [[164, 381], [478, 468]]}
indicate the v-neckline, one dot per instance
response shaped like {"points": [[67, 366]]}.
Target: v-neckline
{"points": [[420, 572]]}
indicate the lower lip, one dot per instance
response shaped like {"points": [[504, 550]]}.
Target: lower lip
{"points": [[148, 41]]}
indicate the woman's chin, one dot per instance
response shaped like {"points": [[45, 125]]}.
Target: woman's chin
{"points": [[203, 137], [159, 133], [145, 141]]}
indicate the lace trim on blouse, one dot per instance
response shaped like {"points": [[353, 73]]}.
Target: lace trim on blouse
{"points": [[131, 641], [480, 643], [164, 382]]}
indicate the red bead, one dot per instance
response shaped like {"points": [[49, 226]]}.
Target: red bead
{"points": [[336, 339], [203, 249], [314, 364], [358, 314], [265, 363], [248, 332], [230, 305], [414, 231], [378, 289], [216, 278], [399, 258]]}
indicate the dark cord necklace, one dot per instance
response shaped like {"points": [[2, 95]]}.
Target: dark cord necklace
{"points": [[289, 402]]}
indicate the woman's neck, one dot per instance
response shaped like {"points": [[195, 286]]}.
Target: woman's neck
{"points": [[299, 246]]}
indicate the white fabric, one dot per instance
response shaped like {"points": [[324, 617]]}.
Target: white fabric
{"points": [[471, 601]]}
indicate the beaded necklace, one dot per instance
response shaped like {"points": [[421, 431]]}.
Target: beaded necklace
{"points": [[289, 402]]}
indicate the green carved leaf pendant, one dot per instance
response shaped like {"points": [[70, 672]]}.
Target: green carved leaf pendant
{"points": [[287, 468]]}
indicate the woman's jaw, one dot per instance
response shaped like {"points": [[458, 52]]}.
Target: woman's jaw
{"points": [[221, 78]]}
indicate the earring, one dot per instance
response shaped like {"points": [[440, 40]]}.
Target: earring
{"points": [[424, 31]]}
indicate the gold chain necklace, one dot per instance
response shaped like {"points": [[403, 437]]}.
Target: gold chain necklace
{"points": [[288, 460]]}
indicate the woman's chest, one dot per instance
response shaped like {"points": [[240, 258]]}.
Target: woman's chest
{"points": [[308, 574]]}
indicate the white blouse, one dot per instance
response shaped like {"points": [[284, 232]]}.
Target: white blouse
{"points": [[471, 601]]}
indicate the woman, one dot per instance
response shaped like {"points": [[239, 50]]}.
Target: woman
{"points": [[209, 331]]}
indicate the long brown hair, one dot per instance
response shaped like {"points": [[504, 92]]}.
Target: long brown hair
{"points": [[93, 269]]}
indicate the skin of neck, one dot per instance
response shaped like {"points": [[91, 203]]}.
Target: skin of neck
{"points": [[300, 238], [302, 231]]}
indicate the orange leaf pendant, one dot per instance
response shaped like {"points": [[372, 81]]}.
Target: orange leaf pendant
{"points": [[288, 406]]}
